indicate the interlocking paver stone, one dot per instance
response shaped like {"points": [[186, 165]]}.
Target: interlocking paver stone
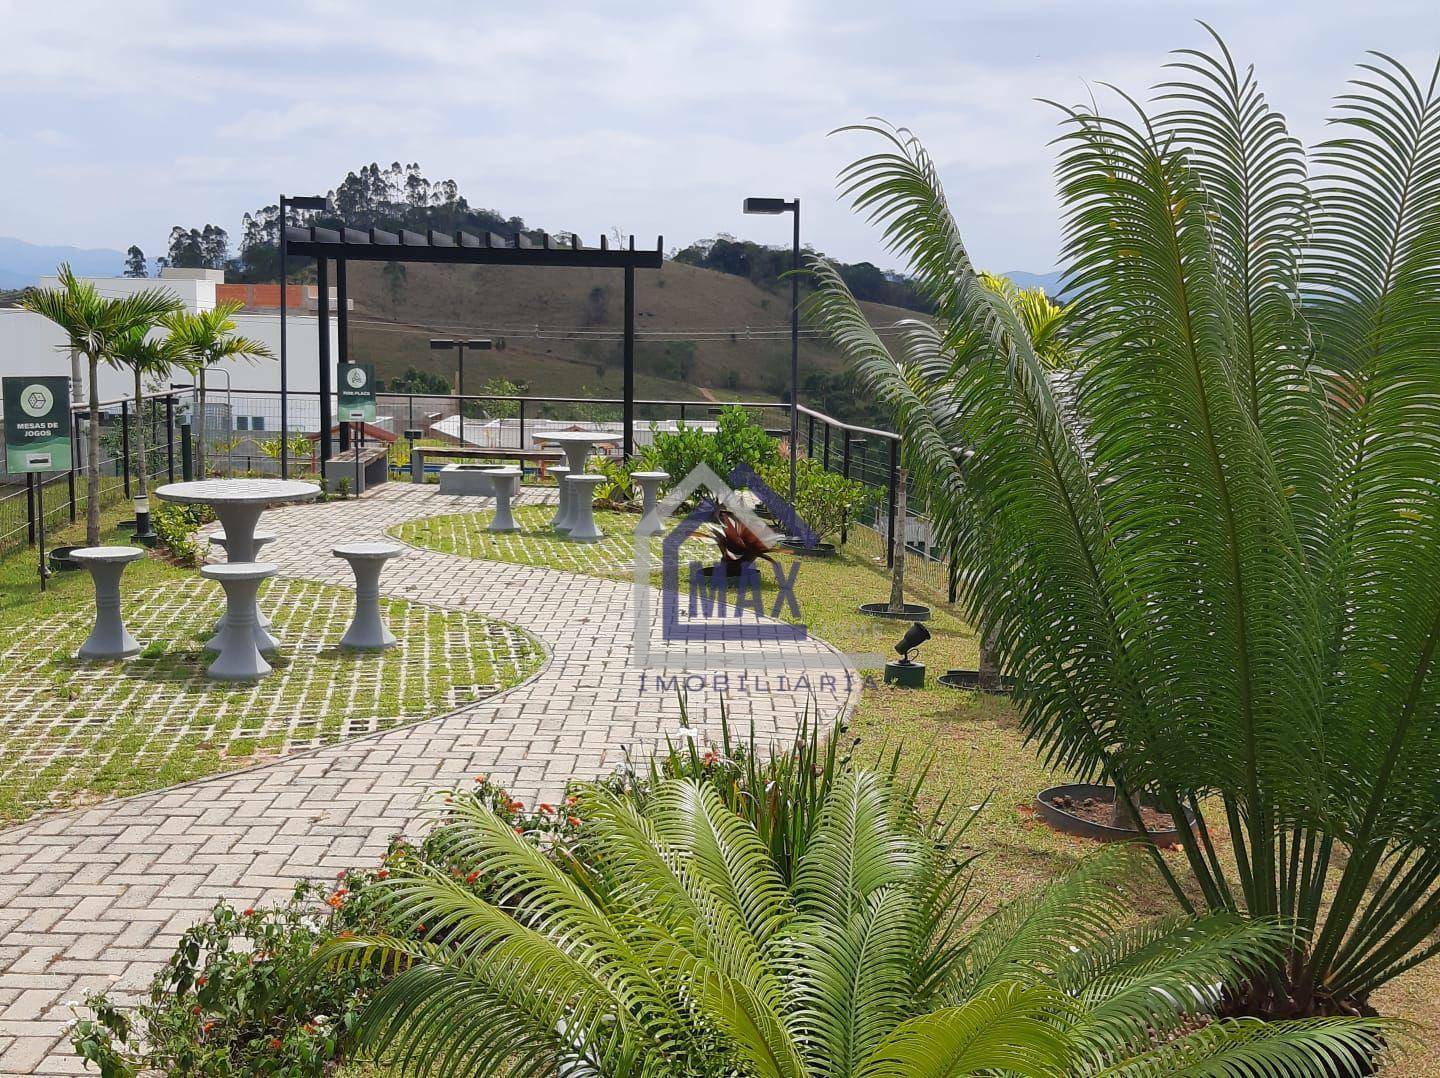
{"points": [[98, 896]]}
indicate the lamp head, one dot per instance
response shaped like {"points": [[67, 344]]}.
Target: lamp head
{"points": [[308, 202], [914, 636], [766, 205], [441, 343], [482, 344]]}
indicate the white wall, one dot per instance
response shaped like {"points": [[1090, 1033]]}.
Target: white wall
{"points": [[30, 344]]}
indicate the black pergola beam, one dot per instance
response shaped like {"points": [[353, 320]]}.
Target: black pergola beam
{"points": [[464, 249]]}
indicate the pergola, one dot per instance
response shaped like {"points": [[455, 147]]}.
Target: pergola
{"points": [[340, 246]]}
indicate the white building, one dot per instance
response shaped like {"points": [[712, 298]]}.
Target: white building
{"points": [[32, 345]]}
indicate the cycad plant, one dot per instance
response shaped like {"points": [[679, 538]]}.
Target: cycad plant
{"points": [[1211, 554], [669, 942], [202, 339], [94, 326]]}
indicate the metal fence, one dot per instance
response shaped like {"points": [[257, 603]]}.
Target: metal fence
{"points": [[243, 437]]}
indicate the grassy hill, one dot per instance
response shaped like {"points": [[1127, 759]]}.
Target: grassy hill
{"points": [[580, 315]]}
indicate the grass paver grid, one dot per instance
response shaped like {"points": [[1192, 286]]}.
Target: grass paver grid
{"points": [[534, 542], [74, 730]]}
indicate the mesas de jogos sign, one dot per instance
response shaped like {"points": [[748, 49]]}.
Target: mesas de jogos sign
{"points": [[37, 424]]}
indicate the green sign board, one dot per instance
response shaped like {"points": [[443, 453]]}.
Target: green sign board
{"points": [[357, 392], [37, 424]]}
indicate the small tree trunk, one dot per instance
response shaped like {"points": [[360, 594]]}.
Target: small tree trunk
{"points": [[200, 426], [1126, 812], [76, 382], [143, 465], [989, 669], [92, 453], [897, 548]]}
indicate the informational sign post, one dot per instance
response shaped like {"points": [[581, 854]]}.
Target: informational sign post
{"points": [[357, 392], [37, 440], [37, 424]]}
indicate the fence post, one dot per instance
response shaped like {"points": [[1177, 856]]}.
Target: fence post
{"points": [[810, 437], [522, 424], [74, 459], [827, 447], [890, 505], [845, 518], [170, 437], [125, 444], [682, 413], [954, 574], [187, 458], [30, 508]]}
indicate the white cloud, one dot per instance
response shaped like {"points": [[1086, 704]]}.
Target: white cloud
{"points": [[123, 119]]}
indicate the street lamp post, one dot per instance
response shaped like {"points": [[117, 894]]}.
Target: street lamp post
{"points": [[478, 344], [774, 206], [299, 202]]}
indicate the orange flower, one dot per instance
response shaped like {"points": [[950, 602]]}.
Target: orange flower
{"points": [[419, 926], [574, 821], [383, 874], [546, 807], [275, 1043], [481, 778], [517, 806], [249, 911], [473, 876]]}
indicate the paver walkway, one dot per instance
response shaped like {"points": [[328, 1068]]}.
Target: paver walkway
{"points": [[96, 898]]}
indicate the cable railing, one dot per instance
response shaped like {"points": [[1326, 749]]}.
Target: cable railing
{"points": [[243, 437]]}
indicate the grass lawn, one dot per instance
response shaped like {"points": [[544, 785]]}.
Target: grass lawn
{"points": [[971, 742], [72, 733]]}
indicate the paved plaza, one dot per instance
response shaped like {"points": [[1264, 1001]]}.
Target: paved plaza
{"points": [[97, 897]]}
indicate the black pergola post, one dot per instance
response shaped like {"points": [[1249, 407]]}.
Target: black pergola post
{"points": [[322, 319], [342, 326], [467, 249], [629, 441]]}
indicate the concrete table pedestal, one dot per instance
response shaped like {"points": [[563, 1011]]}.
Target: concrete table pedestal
{"points": [[238, 642], [582, 507], [367, 630], [505, 482], [561, 520], [109, 639], [650, 523]]}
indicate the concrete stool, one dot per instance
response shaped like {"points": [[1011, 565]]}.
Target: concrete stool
{"points": [[582, 507], [261, 538], [367, 630], [239, 641], [506, 481], [561, 520], [650, 487], [109, 639]]}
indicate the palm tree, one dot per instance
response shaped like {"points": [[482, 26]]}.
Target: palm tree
{"points": [[202, 339], [1212, 555], [145, 356], [94, 326], [672, 943]]}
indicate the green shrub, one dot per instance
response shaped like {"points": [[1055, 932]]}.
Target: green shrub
{"points": [[175, 527], [824, 500]]}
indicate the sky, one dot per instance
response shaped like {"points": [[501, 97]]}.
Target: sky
{"points": [[123, 119]]}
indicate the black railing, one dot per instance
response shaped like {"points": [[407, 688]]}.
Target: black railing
{"points": [[243, 433]]}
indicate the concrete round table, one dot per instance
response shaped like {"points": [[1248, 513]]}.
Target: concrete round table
{"points": [[582, 507], [650, 487], [239, 658], [577, 444], [367, 630], [504, 482], [561, 520], [109, 639], [238, 504]]}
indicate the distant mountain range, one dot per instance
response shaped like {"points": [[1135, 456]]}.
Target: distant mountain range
{"points": [[24, 263], [1048, 281]]}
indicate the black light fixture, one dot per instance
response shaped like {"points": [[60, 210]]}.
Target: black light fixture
{"points": [[905, 672], [773, 206], [292, 202], [477, 344]]}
